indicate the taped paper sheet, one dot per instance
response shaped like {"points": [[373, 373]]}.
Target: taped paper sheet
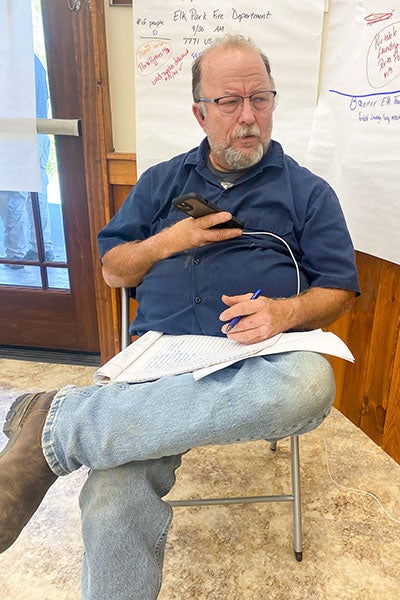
{"points": [[355, 141], [168, 37], [19, 157]]}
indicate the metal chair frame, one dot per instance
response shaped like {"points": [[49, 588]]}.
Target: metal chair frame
{"points": [[294, 497]]}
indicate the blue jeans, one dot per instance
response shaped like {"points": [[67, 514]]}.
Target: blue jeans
{"points": [[13, 214], [131, 436], [44, 151], [15, 206]]}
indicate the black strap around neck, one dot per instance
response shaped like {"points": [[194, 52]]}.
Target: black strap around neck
{"points": [[226, 178]]}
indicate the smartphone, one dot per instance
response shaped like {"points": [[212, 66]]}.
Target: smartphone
{"points": [[195, 206]]}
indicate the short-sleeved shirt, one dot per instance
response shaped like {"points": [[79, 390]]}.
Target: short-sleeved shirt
{"points": [[292, 220]]}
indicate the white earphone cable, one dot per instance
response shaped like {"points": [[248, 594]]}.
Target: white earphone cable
{"points": [[339, 485], [274, 235], [352, 489]]}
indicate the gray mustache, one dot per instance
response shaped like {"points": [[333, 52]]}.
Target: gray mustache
{"points": [[245, 131]]}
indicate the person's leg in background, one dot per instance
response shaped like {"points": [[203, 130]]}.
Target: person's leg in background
{"points": [[32, 254], [124, 528], [13, 214]]}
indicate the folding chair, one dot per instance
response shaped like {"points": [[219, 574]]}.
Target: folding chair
{"points": [[294, 497]]}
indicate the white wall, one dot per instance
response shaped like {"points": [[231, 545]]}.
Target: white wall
{"points": [[119, 32]]}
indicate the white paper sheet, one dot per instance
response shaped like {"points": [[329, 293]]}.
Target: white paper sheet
{"points": [[155, 355], [169, 35], [19, 157], [324, 342], [355, 141]]}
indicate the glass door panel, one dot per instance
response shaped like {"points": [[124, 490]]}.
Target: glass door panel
{"points": [[47, 294], [31, 224], [32, 233]]}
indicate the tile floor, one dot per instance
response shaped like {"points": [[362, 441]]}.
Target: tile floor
{"points": [[243, 552]]}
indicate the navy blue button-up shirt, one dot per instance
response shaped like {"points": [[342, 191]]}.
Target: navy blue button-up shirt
{"points": [[182, 294]]}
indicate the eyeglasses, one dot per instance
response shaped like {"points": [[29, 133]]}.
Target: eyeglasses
{"points": [[260, 101]]}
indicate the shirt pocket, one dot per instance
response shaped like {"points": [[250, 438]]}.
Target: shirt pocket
{"points": [[270, 231]]}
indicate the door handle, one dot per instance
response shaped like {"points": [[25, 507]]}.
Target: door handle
{"points": [[59, 126]]}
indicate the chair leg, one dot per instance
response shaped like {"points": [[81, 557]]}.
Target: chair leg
{"points": [[295, 461], [125, 337], [272, 446]]}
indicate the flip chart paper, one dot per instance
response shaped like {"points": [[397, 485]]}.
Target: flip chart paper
{"points": [[355, 139], [169, 35]]}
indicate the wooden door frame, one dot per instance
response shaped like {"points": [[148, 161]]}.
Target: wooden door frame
{"points": [[91, 52]]}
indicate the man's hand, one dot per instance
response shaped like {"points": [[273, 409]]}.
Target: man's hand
{"points": [[261, 318], [192, 233], [264, 317], [126, 265]]}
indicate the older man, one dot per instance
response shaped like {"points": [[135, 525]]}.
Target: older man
{"points": [[191, 278]]}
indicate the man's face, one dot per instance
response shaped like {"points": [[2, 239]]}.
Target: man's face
{"points": [[237, 140]]}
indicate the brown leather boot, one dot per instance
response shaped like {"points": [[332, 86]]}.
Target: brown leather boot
{"points": [[25, 475]]}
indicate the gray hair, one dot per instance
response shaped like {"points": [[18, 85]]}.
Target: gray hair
{"points": [[229, 41]]}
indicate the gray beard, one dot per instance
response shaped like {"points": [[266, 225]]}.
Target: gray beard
{"points": [[236, 160]]}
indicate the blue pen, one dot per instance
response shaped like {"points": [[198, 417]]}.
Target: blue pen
{"points": [[236, 320]]}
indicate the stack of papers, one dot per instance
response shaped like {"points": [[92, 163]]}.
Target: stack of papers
{"points": [[155, 355]]}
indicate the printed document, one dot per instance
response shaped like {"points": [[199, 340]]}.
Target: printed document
{"points": [[155, 355]]}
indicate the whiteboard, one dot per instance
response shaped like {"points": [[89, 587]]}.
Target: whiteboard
{"points": [[168, 37]]}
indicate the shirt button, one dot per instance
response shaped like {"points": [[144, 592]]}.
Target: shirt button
{"points": [[197, 261], [198, 300]]}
